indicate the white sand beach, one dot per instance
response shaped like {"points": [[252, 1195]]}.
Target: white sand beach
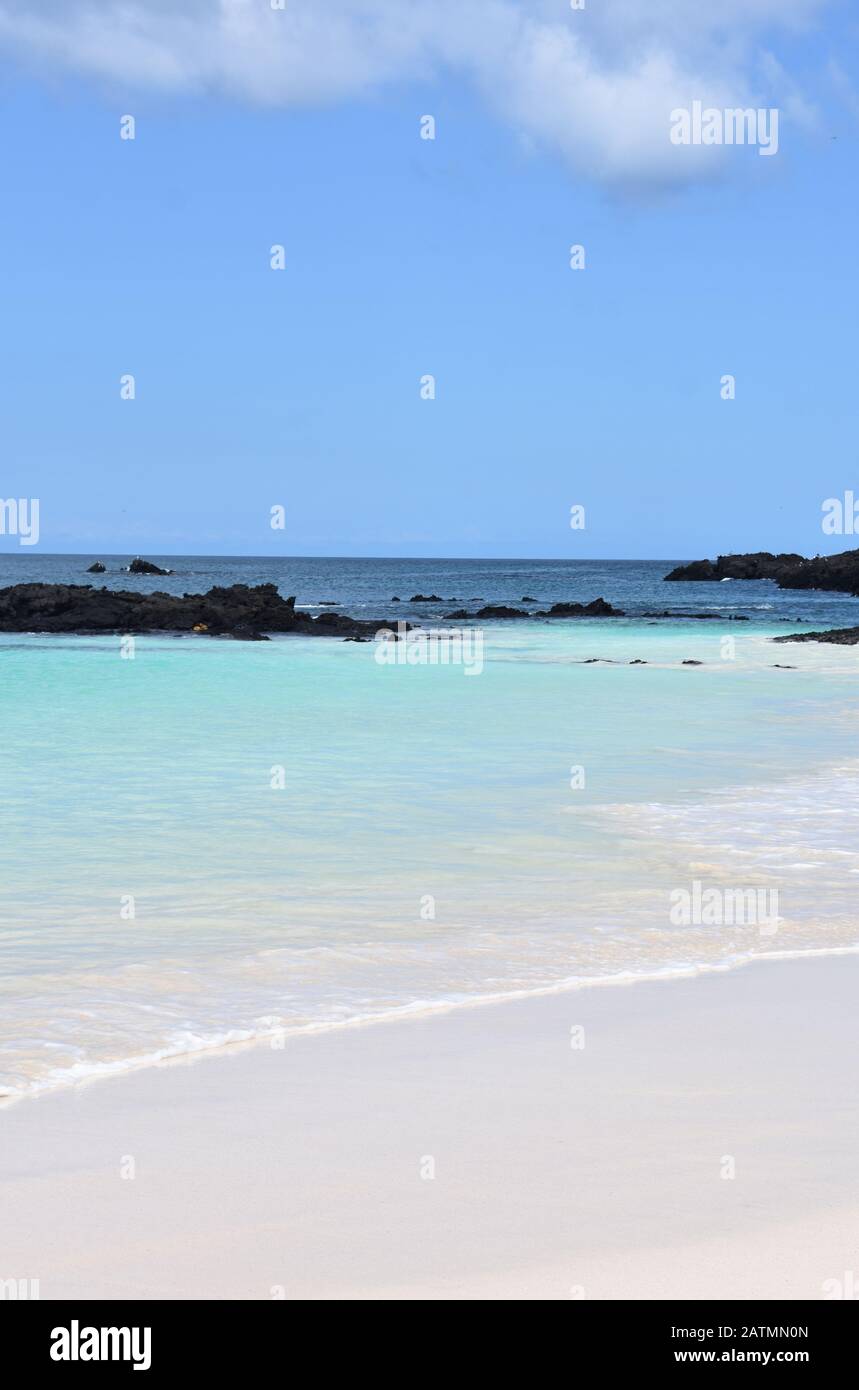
{"points": [[559, 1172]]}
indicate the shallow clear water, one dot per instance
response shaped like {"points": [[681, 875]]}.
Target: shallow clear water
{"points": [[426, 847]]}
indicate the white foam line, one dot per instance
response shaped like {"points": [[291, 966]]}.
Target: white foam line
{"points": [[101, 1071]]}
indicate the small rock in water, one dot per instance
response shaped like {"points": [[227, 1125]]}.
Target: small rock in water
{"points": [[500, 610], [97, 568], [597, 608], [139, 566], [842, 636]]}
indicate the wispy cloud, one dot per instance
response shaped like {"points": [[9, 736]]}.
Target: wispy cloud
{"points": [[596, 85], [843, 87]]}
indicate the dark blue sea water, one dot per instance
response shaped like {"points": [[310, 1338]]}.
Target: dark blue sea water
{"points": [[365, 587]]}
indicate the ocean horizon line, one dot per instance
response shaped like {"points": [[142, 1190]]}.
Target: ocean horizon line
{"points": [[376, 559]]}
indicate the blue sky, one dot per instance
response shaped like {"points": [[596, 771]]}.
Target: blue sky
{"points": [[403, 257]]}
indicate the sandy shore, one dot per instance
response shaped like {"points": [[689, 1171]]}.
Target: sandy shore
{"points": [[560, 1171]]}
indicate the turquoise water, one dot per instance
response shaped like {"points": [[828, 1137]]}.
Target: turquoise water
{"points": [[425, 849]]}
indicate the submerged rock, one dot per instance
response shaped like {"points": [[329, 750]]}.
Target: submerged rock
{"points": [[840, 636], [243, 633], [698, 617]]}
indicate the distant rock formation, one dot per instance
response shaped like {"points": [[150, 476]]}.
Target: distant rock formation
{"points": [[597, 608], [97, 568], [139, 566], [839, 573], [501, 610]]}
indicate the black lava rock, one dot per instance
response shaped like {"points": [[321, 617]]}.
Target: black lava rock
{"points": [[839, 573], [139, 566], [238, 611]]}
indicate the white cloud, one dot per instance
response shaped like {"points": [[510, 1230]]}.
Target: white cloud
{"points": [[843, 87], [595, 85]]}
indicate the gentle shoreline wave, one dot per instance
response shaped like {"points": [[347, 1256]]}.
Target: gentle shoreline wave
{"points": [[204, 1050]]}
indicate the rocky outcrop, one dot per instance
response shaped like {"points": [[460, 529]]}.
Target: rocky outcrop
{"points": [[598, 608], [840, 636], [97, 568], [139, 566], [840, 573], [239, 611], [761, 565]]}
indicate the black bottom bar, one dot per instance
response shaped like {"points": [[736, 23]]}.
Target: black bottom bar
{"points": [[218, 1339]]}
